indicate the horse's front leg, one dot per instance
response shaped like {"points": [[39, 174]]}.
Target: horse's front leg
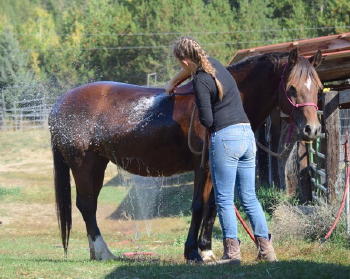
{"points": [[199, 203]]}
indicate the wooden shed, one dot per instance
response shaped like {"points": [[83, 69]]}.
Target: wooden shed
{"points": [[335, 50], [297, 173]]}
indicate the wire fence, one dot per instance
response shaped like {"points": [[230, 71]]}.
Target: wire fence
{"points": [[33, 113], [26, 114]]}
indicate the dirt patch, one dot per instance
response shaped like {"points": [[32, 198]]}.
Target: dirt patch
{"points": [[37, 218], [27, 166], [28, 214]]}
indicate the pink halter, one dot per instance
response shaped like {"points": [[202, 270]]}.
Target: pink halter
{"points": [[282, 87]]}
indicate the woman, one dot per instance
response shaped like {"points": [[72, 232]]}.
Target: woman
{"points": [[232, 145]]}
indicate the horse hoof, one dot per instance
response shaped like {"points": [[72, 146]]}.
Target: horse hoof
{"points": [[194, 257], [191, 262], [208, 256], [109, 257], [104, 257], [99, 250]]}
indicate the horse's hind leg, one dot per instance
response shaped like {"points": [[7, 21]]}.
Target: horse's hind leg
{"points": [[89, 180]]}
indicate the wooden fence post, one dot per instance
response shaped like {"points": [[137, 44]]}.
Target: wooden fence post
{"points": [[3, 108], [332, 122]]}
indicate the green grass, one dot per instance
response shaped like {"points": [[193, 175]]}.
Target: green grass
{"points": [[41, 257], [112, 195], [9, 192], [30, 244]]}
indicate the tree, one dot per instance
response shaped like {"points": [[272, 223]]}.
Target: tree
{"points": [[255, 23], [14, 72]]}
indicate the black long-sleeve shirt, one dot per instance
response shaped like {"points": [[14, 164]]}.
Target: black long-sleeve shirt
{"points": [[216, 114]]}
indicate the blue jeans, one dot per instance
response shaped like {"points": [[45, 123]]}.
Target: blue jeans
{"points": [[232, 163]]}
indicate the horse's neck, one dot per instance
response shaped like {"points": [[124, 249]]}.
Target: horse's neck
{"points": [[258, 85], [186, 89]]}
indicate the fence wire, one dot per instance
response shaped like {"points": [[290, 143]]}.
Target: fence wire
{"points": [[27, 114]]}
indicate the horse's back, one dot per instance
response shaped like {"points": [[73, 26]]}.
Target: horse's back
{"points": [[100, 93], [81, 109], [134, 122]]}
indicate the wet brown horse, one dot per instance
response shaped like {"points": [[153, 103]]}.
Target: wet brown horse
{"points": [[145, 132]]}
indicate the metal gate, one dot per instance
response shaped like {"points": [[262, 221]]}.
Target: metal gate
{"points": [[317, 161]]}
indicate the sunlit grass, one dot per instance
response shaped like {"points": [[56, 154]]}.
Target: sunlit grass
{"points": [[30, 244]]}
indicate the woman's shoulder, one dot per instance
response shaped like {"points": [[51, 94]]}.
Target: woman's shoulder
{"points": [[214, 61], [200, 74], [202, 77]]}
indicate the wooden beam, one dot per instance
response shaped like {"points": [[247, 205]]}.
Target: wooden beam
{"points": [[344, 98], [305, 46], [334, 69], [332, 131]]}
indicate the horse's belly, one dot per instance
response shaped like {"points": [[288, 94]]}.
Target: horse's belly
{"points": [[152, 152], [152, 159]]}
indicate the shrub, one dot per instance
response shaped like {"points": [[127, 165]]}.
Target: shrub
{"points": [[269, 199], [307, 222]]}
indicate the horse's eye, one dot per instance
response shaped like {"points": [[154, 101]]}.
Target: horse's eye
{"points": [[292, 91]]}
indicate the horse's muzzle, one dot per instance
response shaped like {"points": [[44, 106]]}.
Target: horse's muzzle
{"points": [[311, 132]]}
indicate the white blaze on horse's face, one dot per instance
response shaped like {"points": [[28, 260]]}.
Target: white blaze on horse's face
{"points": [[308, 83]]}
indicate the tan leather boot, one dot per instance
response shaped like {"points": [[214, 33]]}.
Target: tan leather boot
{"points": [[232, 253], [265, 249]]}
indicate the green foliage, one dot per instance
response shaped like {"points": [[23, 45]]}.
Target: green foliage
{"points": [[254, 19], [67, 43], [269, 199], [13, 63], [340, 236], [15, 75]]}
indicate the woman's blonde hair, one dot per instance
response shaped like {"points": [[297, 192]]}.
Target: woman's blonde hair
{"points": [[186, 47]]}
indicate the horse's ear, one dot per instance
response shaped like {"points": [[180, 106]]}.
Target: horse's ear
{"points": [[293, 57], [316, 60]]}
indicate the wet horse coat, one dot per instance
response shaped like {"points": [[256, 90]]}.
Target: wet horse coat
{"points": [[140, 129], [145, 132]]}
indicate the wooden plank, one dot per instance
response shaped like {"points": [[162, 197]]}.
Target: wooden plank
{"points": [[335, 69], [327, 52], [332, 122], [305, 46], [344, 98]]}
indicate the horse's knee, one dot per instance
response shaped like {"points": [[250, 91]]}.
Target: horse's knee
{"points": [[197, 206]]}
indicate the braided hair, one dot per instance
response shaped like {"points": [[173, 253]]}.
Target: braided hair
{"points": [[186, 47]]}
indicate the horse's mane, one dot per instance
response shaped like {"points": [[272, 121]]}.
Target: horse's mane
{"points": [[273, 57], [298, 74]]}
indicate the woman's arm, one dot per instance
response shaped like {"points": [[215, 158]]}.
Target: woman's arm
{"points": [[177, 79], [203, 103]]}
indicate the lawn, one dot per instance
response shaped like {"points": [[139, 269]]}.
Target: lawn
{"points": [[30, 245]]}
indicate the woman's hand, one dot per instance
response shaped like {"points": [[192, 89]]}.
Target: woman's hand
{"points": [[177, 79], [170, 88]]}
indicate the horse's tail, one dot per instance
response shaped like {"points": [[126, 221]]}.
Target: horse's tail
{"points": [[63, 196]]}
